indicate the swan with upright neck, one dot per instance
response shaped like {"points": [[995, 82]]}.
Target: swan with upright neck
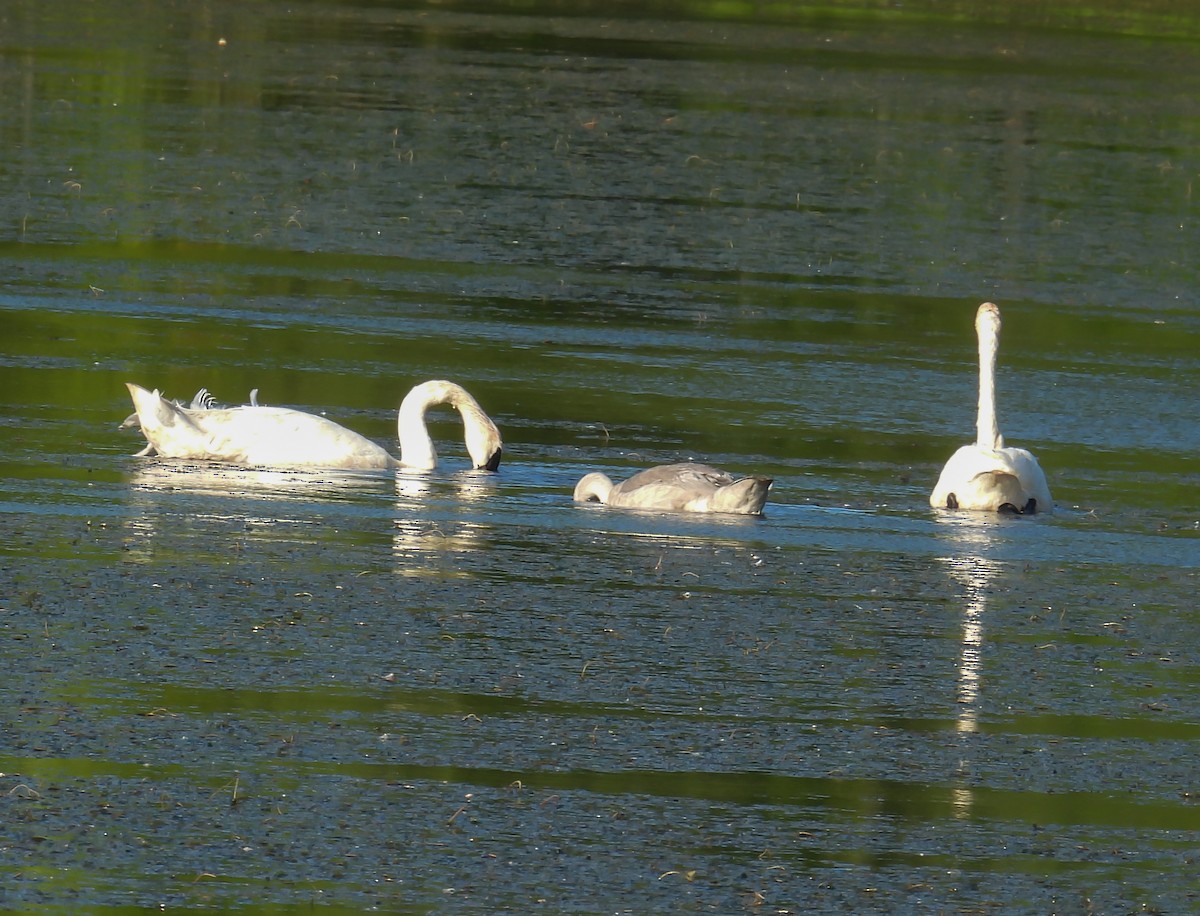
{"points": [[988, 476], [255, 436], [683, 487]]}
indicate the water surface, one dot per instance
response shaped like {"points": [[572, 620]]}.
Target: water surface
{"points": [[638, 238]]}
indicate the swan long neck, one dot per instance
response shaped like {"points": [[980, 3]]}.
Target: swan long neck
{"points": [[480, 434], [987, 327]]}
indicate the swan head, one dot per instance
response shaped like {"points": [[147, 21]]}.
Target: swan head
{"points": [[987, 321], [483, 442]]}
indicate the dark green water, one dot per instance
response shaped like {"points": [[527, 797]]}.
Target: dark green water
{"points": [[752, 236]]}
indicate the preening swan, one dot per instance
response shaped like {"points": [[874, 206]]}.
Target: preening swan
{"points": [[257, 436], [684, 487], [987, 475]]}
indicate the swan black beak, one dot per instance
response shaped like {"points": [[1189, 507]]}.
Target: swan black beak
{"points": [[493, 463]]}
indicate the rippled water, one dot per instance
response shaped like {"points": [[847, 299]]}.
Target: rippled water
{"points": [[758, 243]]}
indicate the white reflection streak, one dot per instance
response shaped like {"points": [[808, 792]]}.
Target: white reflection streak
{"points": [[155, 486], [415, 540], [417, 486], [974, 572], [416, 537], [413, 486], [211, 478]]}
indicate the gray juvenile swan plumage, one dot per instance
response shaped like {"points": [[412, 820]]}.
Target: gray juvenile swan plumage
{"points": [[684, 487], [987, 476], [255, 436]]}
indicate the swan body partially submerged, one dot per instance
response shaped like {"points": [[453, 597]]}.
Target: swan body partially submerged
{"points": [[254, 436], [684, 487], [987, 475]]}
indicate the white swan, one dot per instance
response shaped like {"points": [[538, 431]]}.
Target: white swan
{"points": [[684, 487], [987, 475], [278, 437]]}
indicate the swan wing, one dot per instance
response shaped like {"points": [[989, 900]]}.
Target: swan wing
{"points": [[685, 474], [669, 487], [281, 437]]}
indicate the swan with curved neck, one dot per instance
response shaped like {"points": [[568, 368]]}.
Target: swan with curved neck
{"points": [[684, 487], [987, 475], [257, 436]]}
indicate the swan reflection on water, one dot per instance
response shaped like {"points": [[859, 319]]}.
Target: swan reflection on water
{"points": [[971, 538], [417, 513], [172, 500], [427, 528], [220, 479], [974, 573]]}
